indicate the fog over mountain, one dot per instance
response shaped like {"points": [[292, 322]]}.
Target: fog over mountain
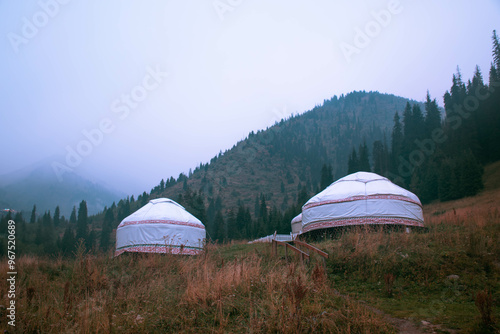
{"points": [[169, 84], [38, 185]]}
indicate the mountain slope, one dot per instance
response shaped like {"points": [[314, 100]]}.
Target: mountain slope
{"points": [[38, 184], [281, 160]]}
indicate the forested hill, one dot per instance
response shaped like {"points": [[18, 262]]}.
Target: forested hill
{"points": [[280, 160], [251, 190], [275, 170]]}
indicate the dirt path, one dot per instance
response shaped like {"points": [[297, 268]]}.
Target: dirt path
{"points": [[403, 326]]}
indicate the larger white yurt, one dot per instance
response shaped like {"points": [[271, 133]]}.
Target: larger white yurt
{"points": [[362, 198], [161, 226]]}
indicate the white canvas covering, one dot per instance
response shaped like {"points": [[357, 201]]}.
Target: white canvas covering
{"points": [[362, 198], [297, 224], [161, 226]]}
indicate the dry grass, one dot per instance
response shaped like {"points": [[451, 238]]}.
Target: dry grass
{"points": [[218, 292]]}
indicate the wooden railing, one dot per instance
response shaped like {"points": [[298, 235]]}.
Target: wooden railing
{"points": [[303, 255], [319, 251], [275, 243]]}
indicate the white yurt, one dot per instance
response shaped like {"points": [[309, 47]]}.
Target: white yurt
{"points": [[161, 226], [297, 224], [362, 198]]}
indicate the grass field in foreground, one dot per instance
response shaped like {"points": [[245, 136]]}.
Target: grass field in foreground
{"points": [[229, 289]]}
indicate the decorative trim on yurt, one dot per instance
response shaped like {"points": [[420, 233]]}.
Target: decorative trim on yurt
{"points": [[362, 198]]}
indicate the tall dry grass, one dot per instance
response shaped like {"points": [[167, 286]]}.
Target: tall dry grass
{"points": [[248, 291]]}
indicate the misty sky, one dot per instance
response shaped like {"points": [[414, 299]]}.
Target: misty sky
{"points": [[160, 86]]}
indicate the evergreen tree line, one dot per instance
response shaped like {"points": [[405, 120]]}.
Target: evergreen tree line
{"points": [[442, 158], [224, 224], [48, 234]]}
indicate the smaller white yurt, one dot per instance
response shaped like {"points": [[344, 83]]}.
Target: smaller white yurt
{"points": [[297, 224], [161, 226], [362, 198]]}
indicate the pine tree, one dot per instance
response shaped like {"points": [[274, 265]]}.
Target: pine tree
{"points": [[81, 225], [235, 229], [364, 162], [380, 158], [263, 214], [239, 229], [106, 230], [418, 122], [123, 208], [496, 50], [38, 233], [432, 116], [326, 176], [256, 207], [109, 218], [471, 175], [33, 215], [47, 220], [449, 181], [68, 241], [72, 218], [429, 181], [21, 232], [57, 218], [90, 241], [353, 162], [220, 227], [396, 143], [445, 183], [407, 125], [493, 103], [414, 127], [302, 197]]}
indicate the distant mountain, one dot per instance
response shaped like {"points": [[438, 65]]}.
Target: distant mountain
{"points": [[281, 160], [38, 184]]}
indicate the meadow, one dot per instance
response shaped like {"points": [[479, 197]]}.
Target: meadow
{"points": [[445, 279], [232, 288]]}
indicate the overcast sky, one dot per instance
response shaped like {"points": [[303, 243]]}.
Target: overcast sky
{"points": [[160, 86]]}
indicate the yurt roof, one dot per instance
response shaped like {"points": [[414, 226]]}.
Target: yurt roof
{"points": [[297, 219], [361, 184], [164, 210]]}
